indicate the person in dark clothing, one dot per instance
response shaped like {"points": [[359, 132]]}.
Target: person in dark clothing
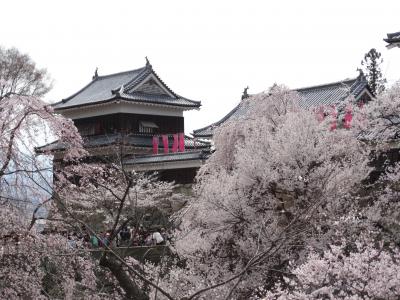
{"points": [[125, 235]]}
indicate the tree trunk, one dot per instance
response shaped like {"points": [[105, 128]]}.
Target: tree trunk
{"points": [[130, 287]]}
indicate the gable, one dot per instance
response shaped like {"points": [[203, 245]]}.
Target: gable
{"points": [[151, 86], [364, 97]]}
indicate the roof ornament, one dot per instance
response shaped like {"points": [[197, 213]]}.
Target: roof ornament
{"points": [[361, 75], [148, 64], [120, 91], [95, 74], [245, 94]]}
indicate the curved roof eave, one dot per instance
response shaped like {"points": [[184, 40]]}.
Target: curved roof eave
{"points": [[197, 132], [117, 99]]}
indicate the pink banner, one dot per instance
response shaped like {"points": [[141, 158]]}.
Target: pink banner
{"points": [[181, 142], [155, 144], [334, 118], [347, 118], [165, 143], [175, 144], [320, 114]]}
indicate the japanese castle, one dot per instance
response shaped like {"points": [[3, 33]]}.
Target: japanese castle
{"points": [[136, 114]]}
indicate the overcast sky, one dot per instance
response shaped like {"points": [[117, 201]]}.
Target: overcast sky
{"points": [[204, 50]]}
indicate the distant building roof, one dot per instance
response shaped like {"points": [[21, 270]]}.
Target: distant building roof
{"points": [[332, 93], [393, 39], [140, 86], [238, 112], [314, 96]]}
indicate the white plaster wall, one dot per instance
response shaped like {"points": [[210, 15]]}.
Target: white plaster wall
{"points": [[121, 107]]}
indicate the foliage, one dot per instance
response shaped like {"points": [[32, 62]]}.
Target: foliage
{"points": [[19, 75], [90, 189], [36, 266], [27, 122], [371, 65], [367, 271], [25, 253], [382, 116]]}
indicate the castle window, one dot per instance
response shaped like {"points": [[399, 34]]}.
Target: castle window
{"points": [[147, 127], [86, 129]]}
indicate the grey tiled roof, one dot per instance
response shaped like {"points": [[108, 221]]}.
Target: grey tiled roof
{"points": [[314, 96], [114, 87], [137, 140], [238, 112], [160, 158], [393, 39], [332, 93]]}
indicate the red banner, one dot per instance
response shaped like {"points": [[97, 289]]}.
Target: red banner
{"points": [[175, 143], [165, 143], [155, 144], [181, 142]]}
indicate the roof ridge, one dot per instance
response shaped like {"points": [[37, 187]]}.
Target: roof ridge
{"points": [[344, 81], [149, 69], [393, 35], [118, 73], [139, 78]]}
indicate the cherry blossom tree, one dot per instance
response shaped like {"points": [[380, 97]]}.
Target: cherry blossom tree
{"points": [[119, 198], [19, 75], [383, 121], [361, 261], [32, 262], [314, 259], [278, 181], [26, 122], [367, 270], [37, 266]]}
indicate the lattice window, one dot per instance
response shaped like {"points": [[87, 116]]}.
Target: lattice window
{"points": [[147, 127]]}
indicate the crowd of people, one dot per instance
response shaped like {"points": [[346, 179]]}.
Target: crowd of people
{"points": [[131, 237]]}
